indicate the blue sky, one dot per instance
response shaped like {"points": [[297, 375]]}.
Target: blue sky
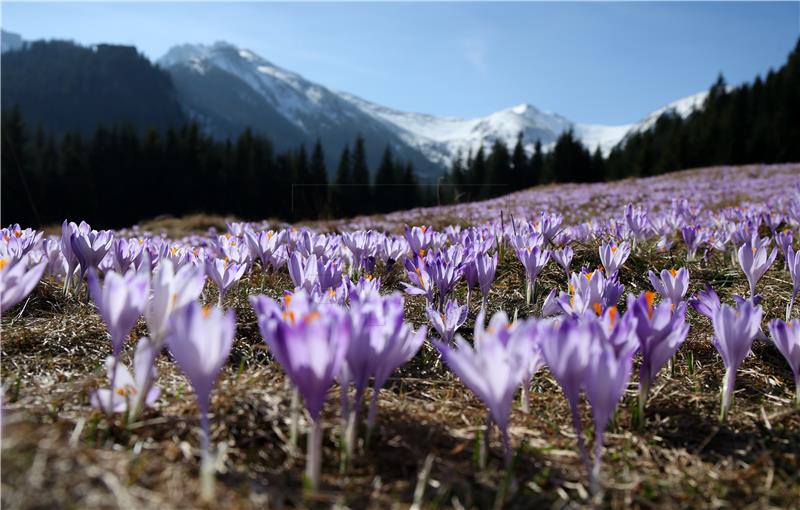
{"points": [[591, 62]]}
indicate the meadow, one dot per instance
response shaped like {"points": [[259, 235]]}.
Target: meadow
{"points": [[617, 345]]}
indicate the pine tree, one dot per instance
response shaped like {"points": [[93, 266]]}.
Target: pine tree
{"points": [[519, 165], [341, 191], [319, 178], [362, 189], [388, 197]]}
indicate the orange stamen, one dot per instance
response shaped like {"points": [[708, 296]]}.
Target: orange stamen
{"points": [[650, 296]]}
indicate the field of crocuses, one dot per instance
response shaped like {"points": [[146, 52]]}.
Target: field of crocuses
{"points": [[630, 344]]}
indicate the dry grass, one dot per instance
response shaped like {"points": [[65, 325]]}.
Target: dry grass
{"points": [[59, 453]]}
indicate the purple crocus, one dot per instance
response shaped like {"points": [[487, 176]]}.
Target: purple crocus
{"points": [[127, 390], [17, 280], [266, 247], [447, 322], [534, 259], [486, 267], [120, 300], [607, 376], [566, 350], [754, 261], [661, 329], [444, 275], [68, 230], [786, 336], [421, 283], [563, 257], [90, 247], [493, 369], [793, 264], [200, 343], [224, 274], [613, 256], [312, 352], [693, 237], [671, 284], [419, 239], [706, 302], [734, 331]]}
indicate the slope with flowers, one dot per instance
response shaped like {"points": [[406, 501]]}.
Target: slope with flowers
{"points": [[624, 305]]}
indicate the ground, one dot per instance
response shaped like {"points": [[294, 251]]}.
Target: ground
{"points": [[59, 453]]}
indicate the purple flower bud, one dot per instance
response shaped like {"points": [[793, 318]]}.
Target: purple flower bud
{"points": [[120, 301], [734, 331]]}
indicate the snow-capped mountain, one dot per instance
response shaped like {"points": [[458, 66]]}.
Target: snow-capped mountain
{"points": [[229, 88]]}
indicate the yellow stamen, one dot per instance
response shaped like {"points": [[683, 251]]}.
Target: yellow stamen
{"points": [[206, 311], [673, 272], [598, 308], [422, 252], [287, 299], [613, 249], [3, 263]]}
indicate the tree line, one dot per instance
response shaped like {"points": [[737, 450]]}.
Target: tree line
{"points": [[118, 177]]}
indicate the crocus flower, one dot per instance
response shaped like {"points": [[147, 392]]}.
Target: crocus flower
{"points": [[224, 273], [566, 350], [563, 256], [613, 256], [421, 283], [693, 237], [444, 275], [607, 375], [447, 322], [636, 219], [706, 302], [671, 285], [661, 329], [493, 369], [171, 291], [90, 247], [68, 229], [793, 264], [534, 259], [265, 246], [200, 343], [127, 389], [755, 262], [120, 300], [312, 352], [17, 280], [126, 253], [419, 239], [786, 336], [734, 331], [486, 267]]}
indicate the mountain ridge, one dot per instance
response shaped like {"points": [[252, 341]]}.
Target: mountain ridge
{"points": [[314, 109]]}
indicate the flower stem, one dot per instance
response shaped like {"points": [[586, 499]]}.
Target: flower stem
{"points": [[314, 454], [207, 462], [576, 423], [594, 477], [727, 392], [294, 418]]}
